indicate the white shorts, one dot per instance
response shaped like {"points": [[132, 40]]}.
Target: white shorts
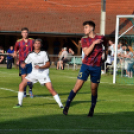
{"points": [[38, 77]]}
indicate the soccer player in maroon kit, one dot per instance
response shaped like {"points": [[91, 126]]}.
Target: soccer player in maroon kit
{"points": [[24, 46], [91, 65]]}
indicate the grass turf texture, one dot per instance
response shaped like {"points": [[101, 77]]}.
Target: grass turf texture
{"points": [[114, 112]]}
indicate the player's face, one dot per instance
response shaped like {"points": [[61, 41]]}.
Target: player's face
{"points": [[123, 47], [87, 29], [37, 45], [110, 42], [11, 48], [24, 34]]}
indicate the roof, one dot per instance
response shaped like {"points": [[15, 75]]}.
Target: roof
{"points": [[58, 16]]}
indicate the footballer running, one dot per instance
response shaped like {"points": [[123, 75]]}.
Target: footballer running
{"points": [[40, 72], [91, 65], [24, 46]]}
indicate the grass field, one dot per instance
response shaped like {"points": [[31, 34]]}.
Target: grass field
{"points": [[114, 111]]}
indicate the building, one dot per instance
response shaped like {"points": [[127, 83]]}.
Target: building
{"points": [[57, 18]]}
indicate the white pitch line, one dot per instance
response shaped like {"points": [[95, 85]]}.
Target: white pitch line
{"points": [[8, 89], [48, 98], [73, 130]]}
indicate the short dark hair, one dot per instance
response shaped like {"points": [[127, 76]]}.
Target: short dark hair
{"points": [[122, 42], [24, 28], [112, 40], [38, 39], [124, 45], [90, 23]]}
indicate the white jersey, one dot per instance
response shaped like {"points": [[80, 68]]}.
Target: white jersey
{"points": [[40, 59]]}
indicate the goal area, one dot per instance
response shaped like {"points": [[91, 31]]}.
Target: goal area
{"points": [[123, 63]]}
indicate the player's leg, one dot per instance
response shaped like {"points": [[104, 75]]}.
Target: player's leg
{"points": [[94, 95], [95, 75], [28, 71], [22, 85], [22, 78], [82, 77], [61, 63], [22, 73], [54, 94], [72, 94], [57, 67]]}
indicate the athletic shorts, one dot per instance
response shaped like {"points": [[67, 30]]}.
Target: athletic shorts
{"points": [[130, 67], [93, 71], [26, 70], [38, 77]]}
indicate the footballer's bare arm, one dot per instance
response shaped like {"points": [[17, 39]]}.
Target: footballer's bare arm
{"points": [[47, 65], [88, 50]]}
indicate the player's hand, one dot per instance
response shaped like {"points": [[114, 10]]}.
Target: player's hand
{"points": [[37, 67], [23, 65], [15, 55], [98, 41]]}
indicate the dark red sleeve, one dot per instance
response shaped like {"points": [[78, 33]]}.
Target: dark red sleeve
{"points": [[84, 42], [32, 48], [16, 47]]}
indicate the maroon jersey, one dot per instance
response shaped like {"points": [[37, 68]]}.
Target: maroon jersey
{"points": [[95, 57], [24, 48]]}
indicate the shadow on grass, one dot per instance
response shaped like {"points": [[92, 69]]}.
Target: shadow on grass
{"points": [[72, 123]]}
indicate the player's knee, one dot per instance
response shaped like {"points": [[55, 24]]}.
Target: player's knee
{"points": [[21, 86]]}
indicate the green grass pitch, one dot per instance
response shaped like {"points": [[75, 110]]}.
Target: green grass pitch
{"points": [[114, 112]]}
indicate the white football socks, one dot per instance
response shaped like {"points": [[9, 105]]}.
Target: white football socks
{"points": [[57, 99], [20, 97]]}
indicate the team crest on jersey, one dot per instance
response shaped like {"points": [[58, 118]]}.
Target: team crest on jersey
{"points": [[80, 74]]}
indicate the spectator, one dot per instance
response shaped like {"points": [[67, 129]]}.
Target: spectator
{"points": [[111, 48], [10, 52], [108, 61], [130, 63], [1, 57], [126, 61], [119, 49], [60, 58], [78, 46], [60, 53], [63, 58], [130, 48], [70, 54], [123, 52], [103, 64]]}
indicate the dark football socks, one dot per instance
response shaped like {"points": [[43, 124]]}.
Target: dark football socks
{"points": [[94, 100], [25, 90], [30, 85], [70, 98]]}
